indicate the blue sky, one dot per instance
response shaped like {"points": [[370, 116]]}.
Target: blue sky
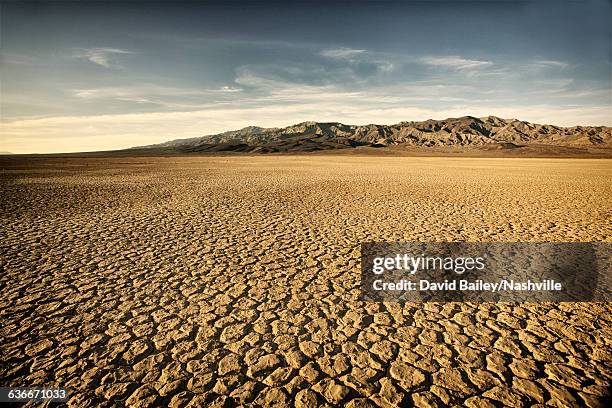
{"points": [[104, 75]]}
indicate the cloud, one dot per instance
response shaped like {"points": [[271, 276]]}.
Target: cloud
{"points": [[347, 68], [19, 59], [363, 59], [266, 78], [163, 96], [551, 64], [102, 56], [455, 62], [135, 91], [230, 89], [342, 53], [245, 76]]}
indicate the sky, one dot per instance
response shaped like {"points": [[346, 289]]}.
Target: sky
{"points": [[88, 76]]}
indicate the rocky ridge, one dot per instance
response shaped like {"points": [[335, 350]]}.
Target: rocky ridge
{"points": [[463, 131]]}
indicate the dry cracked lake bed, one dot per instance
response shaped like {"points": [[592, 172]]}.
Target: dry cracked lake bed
{"points": [[231, 281]]}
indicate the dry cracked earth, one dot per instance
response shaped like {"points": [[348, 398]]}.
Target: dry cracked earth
{"points": [[221, 281]]}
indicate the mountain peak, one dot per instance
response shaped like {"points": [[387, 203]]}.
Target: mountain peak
{"points": [[461, 131]]}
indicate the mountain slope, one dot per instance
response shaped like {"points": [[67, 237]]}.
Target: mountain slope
{"points": [[463, 131]]}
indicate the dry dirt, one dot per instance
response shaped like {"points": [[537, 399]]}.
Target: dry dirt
{"points": [[206, 281]]}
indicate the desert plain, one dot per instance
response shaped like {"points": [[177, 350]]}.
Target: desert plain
{"points": [[234, 280]]}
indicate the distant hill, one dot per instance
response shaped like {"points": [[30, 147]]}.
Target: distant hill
{"points": [[464, 131]]}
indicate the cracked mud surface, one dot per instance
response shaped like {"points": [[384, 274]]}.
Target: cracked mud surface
{"points": [[209, 281]]}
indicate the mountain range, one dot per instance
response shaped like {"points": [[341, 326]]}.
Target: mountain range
{"points": [[465, 131]]}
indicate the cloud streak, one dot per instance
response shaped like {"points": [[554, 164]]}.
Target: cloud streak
{"points": [[552, 63], [455, 62], [104, 57], [342, 53]]}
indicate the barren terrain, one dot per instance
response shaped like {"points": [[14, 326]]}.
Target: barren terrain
{"points": [[204, 281]]}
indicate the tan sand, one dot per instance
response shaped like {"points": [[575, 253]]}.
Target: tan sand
{"points": [[234, 280]]}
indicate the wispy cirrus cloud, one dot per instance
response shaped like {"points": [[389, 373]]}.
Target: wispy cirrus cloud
{"points": [[163, 96], [143, 90], [455, 62], [336, 67], [105, 57], [551, 64], [19, 59], [342, 53], [361, 57]]}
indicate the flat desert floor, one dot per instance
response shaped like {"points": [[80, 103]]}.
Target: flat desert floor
{"points": [[209, 281]]}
